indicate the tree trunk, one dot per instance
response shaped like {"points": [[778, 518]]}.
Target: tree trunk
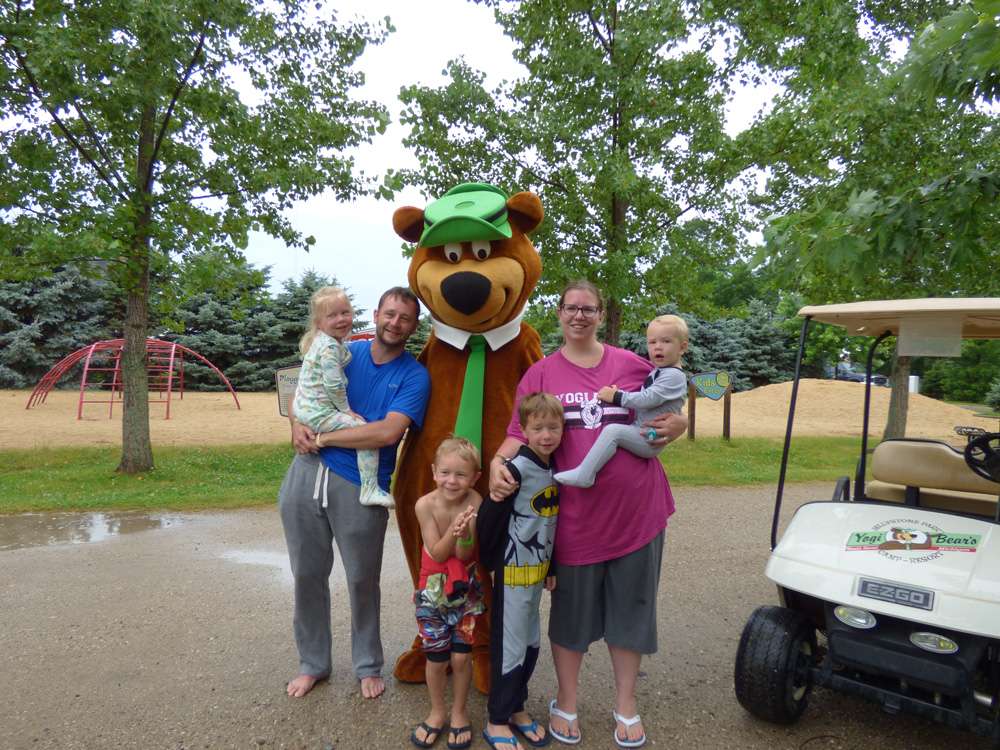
{"points": [[613, 319], [612, 322], [899, 399], [137, 451]]}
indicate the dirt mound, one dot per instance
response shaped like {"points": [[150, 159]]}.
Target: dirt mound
{"points": [[825, 407], [831, 407]]}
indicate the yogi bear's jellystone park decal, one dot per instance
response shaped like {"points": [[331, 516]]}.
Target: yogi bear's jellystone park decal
{"points": [[911, 540]]}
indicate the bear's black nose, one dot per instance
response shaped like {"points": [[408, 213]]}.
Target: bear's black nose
{"points": [[466, 291]]}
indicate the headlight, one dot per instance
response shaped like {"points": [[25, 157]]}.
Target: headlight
{"points": [[936, 644], [854, 617]]}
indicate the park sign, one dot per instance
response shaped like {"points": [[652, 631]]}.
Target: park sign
{"points": [[287, 378], [713, 385]]}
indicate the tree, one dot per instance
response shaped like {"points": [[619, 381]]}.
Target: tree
{"points": [[44, 320], [964, 378], [251, 335], [415, 344], [956, 57], [126, 140], [826, 345], [870, 192], [769, 353], [617, 125], [754, 349], [292, 309], [230, 329]]}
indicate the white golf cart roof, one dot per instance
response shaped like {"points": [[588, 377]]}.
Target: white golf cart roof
{"points": [[972, 317]]}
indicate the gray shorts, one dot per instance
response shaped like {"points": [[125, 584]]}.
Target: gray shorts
{"points": [[614, 600]]}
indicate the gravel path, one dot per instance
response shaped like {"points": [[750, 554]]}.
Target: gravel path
{"points": [[180, 636]]}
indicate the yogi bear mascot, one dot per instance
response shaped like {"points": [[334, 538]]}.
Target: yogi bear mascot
{"points": [[474, 268]]}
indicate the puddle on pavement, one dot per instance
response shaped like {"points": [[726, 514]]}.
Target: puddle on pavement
{"points": [[258, 557], [278, 560], [45, 529]]}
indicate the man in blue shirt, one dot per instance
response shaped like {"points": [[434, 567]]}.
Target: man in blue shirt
{"points": [[319, 501]]}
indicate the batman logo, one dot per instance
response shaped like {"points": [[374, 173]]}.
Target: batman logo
{"points": [[546, 502]]}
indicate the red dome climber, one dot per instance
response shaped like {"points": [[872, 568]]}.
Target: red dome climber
{"points": [[166, 366]]}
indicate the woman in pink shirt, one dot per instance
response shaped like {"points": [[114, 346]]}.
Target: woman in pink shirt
{"points": [[609, 539]]}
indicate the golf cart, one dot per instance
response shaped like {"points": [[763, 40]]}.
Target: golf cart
{"points": [[901, 576]]}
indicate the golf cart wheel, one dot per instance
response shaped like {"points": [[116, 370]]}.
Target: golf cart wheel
{"points": [[772, 664]]}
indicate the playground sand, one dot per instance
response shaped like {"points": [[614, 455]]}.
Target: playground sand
{"points": [[824, 407]]}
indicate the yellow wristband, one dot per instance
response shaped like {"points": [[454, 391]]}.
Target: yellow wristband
{"points": [[318, 443]]}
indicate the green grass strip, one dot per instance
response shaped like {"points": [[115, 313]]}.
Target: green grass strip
{"points": [[746, 461], [242, 476], [65, 479]]}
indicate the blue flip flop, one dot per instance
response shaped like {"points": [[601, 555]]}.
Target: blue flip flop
{"points": [[532, 727], [494, 741], [453, 734], [430, 735]]}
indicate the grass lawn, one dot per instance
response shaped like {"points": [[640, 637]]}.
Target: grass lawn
{"points": [[184, 479], [75, 479]]}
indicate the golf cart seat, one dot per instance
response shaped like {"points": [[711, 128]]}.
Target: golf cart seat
{"points": [[930, 474]]}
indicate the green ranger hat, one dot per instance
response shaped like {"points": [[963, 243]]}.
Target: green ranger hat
{"points": [[469, 212]]}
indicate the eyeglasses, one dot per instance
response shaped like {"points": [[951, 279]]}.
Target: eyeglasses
{"points": [[572, 310]]}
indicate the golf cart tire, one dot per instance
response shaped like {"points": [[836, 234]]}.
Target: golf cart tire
{"points": [[772, 679]]}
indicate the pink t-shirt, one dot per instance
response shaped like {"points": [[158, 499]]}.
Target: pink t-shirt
{"points": [[630, 502]]}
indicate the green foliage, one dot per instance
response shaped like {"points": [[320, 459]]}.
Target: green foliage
{"points": [[46, 319], [617, 125], [232, 331], [249, 337], [826, 345], [733, 286], [755, 348], [79, 79], [415, 344], [935, 235], [245, 333], [992, 398], [769, 351], [957, 56], [965, 378], [871, 192]]}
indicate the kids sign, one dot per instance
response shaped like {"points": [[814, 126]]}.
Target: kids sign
{"points": [[714, 385]]}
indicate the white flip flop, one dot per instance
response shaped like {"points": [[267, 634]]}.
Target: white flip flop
{"points": [[566, 739], [628, 723]]}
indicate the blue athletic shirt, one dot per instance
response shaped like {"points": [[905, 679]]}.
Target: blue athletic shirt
{"points": [[373, 391]]}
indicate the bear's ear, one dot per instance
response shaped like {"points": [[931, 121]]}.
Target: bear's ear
{"points": [[408, 223], [525, 210]]}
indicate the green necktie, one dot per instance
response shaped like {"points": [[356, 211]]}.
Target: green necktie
{"points": [[469, 423]]}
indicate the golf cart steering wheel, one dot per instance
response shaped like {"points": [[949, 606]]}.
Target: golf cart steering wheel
{"points": [[983, 456]]}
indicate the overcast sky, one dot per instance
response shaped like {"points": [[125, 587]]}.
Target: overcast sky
{"points": [[355, 242]]}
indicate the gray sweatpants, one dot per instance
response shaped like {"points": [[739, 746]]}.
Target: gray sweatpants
{"points": [[612, 437], [310, 531]]}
